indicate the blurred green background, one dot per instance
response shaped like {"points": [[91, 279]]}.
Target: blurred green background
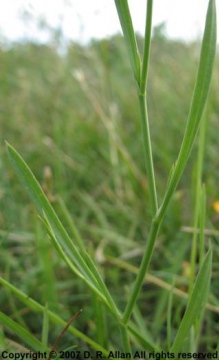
{"points": [[73, 116]]}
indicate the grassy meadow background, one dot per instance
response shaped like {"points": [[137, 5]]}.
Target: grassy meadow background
{"points": [[74, 118]]}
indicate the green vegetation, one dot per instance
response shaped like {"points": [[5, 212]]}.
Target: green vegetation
{"points": [[75, 119]]}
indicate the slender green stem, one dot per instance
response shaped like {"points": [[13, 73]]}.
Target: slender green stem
{"points": [[143, 108], [125, 339], [149, 168], [140, 72], [148, 154], [142, 271], [147, 45]]}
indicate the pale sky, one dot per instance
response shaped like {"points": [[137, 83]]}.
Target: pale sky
{"points": [[85, 19]]}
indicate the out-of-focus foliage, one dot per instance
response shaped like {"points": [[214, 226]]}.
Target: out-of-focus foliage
{"points": [[46, 113], [74, 118]]}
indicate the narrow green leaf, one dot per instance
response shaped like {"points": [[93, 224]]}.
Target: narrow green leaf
{"points": [[200, 94], [21, 332], [36, 307], [196, 302], [64, 245], [103, 288], [60, 250], [43, 206], [72, 225], [129, 36], [103, 292]]}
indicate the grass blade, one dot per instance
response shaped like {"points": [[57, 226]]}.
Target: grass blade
{"points": [[36, 307], [101, 291], [129, 36], [196, 302], [77, 260], [22, 333], [43, 206], [200, 94], [140, 72]]}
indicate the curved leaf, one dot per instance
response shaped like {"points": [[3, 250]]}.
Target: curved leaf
{"points": [[196, 302], [199, 98]]}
